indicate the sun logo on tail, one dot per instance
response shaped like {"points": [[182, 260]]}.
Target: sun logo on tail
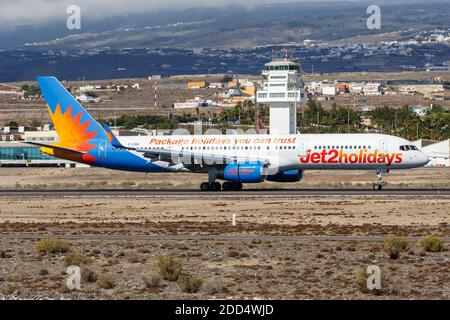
{"points": [[72, 133]]}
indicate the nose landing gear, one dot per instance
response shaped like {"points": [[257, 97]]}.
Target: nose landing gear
{"points": [[378, 185]]}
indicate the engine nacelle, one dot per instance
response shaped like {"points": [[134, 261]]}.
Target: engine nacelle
{"points": [[287, 176], [251, 172]]}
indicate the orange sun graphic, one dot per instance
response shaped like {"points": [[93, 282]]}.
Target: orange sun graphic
{"points": [[72, 133]]}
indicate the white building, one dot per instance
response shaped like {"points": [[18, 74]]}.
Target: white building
{"points": [[372, 88], [197, 102], [421, 88], [283, 90], [234, 92], [86, 98], [216, 85], [187, 105], [315, 87], [355, 88], [329, 90]]}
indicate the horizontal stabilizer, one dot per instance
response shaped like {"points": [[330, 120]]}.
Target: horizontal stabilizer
{"points": [[56, 147]]}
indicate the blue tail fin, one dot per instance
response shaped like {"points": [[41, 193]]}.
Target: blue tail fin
{"points": [[76, 128]]}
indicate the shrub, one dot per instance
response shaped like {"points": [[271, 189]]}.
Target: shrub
{"points": [[393, 245], [170, 269], [43, 272], [87, 275], [153, 280], [233, 254], [2, 253], [432, 243], [8, 289], [133, 257], [191, 284], [19, 277], [212, 286], [105, 281], [75, 259], [51, 246]]}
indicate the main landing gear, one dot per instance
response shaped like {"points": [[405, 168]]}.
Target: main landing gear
{"points": [[378, 185], [216, 186]]}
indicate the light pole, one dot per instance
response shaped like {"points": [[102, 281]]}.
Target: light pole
{"points": [[417, 131]]}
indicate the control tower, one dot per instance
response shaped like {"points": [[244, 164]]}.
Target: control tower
{"points": [[282, 90]]}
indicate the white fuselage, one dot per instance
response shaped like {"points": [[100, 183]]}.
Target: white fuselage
{"points": [[299, 151]]}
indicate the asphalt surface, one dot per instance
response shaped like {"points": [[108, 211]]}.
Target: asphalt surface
{"points": [[131, 237], [245, 192]]}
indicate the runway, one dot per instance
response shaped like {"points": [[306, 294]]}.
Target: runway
{"points": [[243, 193]]}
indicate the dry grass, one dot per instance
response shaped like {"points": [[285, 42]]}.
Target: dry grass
{"points": [[75, 259], [52, 246], [169, 268], [153, 280], [213, 286], [191, 284], [394, 245], [105, 281], [432, 243]]}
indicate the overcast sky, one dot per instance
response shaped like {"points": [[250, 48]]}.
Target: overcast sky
{"points": [[19, 12]]}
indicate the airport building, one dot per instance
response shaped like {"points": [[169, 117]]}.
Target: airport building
{"points": [[283, 91], [19, 154]]}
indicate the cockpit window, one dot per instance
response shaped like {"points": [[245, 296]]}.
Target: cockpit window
{"points": [[409, 148]]}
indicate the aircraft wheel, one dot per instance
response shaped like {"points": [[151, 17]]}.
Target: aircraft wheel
{"points": [[227, 186], [237, 186], [215, 186], [377, 187], [204, 186]]}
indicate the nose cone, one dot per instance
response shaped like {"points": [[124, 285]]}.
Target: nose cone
{"points": [[423, 159]]}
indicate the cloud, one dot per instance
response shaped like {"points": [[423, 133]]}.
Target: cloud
{"points": [[14, 13]]}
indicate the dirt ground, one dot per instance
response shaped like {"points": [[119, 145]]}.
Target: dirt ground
{"points": [[260, 266]]}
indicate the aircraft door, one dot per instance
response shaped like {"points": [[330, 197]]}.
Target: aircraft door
{"points": [[383, 146], [302, 148]]}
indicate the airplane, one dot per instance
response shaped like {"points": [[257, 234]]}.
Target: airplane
{"points": [[236, 159]]}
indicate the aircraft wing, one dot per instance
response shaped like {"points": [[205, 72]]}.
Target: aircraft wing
{"points": [[189, 157]]}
